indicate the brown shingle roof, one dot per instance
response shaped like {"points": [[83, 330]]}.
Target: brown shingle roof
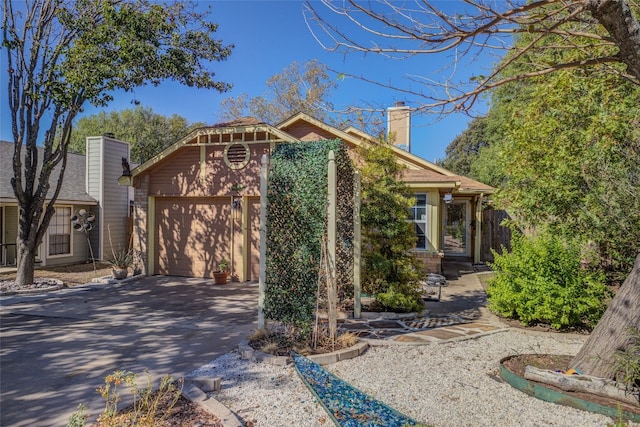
{"points": [[242, 121]]}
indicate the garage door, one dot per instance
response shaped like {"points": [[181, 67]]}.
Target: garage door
{"points": [[192, 235]]}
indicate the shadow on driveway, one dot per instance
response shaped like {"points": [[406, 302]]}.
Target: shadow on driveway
{"points": [[56, 350]]}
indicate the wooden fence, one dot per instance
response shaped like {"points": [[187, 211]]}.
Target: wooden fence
{"points": [[494, 235]]}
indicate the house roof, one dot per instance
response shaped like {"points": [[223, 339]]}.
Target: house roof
{"points": [[73, 184], [462, 183], [358, 137], [419, 172]]}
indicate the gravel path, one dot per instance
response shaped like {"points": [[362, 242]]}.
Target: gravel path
{"points": [[449, 384]]}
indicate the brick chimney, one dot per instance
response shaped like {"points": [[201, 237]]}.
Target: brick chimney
{"points": [[399, 125]]}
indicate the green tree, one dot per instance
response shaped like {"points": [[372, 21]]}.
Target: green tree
{"points": [[61, 55], [389, 269], [464, 149], [148, 132], [568, 152], [298, 88]]}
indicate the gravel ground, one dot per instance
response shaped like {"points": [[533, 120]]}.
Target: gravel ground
{"points": [[449, 384]]}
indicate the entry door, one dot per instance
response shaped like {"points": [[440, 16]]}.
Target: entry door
{"points": [[456, 228]]}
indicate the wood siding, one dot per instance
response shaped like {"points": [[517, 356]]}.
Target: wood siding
{"points": [[180, 175], [104, 167]]}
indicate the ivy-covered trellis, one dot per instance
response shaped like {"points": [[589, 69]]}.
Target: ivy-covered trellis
{"points": [[296, 224]]}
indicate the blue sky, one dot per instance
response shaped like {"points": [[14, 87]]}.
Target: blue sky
{"points": [[268, 36]]}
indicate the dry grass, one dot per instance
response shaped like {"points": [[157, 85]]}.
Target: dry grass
{"points": [[70, 275]]}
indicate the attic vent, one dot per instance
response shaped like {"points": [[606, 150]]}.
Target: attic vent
{"points": [[236, 155]]}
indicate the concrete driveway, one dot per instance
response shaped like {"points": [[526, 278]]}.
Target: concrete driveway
{"points": [[55, 350]]}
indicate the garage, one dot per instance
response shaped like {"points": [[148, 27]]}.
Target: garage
{"points": [[192, 235]]}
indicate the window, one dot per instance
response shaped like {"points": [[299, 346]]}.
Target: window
{"points": [[60, 232], [418, 215]]}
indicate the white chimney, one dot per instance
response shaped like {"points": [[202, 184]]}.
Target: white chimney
{"points": [[399, 125]]}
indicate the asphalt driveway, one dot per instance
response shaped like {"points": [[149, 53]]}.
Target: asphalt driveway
{"points": [[56, 350]]}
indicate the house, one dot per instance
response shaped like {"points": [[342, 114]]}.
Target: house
{"points": [[89, 184], [197, 202]]}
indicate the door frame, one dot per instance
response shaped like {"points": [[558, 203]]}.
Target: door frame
{"points": [[467, 214]]}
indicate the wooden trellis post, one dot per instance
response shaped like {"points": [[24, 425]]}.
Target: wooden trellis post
{"points": [[332, 199], [263, 239]]}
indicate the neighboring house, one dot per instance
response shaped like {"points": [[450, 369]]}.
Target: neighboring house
{"points": [[198, 201], [91, 183]]}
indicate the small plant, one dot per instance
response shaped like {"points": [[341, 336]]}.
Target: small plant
{"points": [[146, 409], [121, 259], [626, 363], [78, 418], [223, 265]]}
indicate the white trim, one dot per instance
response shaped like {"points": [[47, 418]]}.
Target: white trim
{"points": [[425, 221]]}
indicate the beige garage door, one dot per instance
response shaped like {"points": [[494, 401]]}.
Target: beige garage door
{"points": [[192, 235]]}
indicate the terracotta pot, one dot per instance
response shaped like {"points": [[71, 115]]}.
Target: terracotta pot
{"points": [[220, 277], [119, 273]]}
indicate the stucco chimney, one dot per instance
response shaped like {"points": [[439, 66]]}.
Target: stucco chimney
{"points": [[399, 125]]}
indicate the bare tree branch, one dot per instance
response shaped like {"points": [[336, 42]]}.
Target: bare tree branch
{"points": [[602, 33]]}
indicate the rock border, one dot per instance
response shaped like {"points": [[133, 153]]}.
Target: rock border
{"points": [[196, 388], [55, 287]]}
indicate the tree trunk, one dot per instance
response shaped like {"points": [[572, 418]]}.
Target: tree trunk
{"points": [[26, 263], [596, 356]]}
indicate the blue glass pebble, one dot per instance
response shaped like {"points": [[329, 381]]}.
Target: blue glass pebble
{"points": [[346, 404]]}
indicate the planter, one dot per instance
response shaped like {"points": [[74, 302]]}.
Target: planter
{"points": [[220, 278], [548, 394], [119, 273]]}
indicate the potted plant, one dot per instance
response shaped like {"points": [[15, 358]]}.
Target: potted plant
{"points": [[220, 276], [120, 263]]}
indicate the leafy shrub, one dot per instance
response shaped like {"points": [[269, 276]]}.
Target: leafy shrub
{"points": [[400, 301], [542, 281]]}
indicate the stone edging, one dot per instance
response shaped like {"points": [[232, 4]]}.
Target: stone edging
{"points": [[196, 388], [57, 286], [109, 280]]}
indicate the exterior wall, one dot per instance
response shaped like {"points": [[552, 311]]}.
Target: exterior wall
{"points": [[308, 132], [140, 218], [180, 174], [104, 167], [79, 246], [200, 173], [431, 263], [431, 258]]}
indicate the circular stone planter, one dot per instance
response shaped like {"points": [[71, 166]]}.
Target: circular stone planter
{"points": [[548, 394]]}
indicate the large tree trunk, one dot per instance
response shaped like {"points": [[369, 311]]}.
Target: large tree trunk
{"points": [[596, 356], [26, 263]]}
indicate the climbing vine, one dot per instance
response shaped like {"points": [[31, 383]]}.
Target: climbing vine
{"points": [[296, 224]]}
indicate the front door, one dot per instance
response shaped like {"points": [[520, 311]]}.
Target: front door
{"points": [[456, 228]]}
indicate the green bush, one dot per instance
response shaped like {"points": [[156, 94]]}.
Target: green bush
{"points": [[400, 300], [541, 281]]}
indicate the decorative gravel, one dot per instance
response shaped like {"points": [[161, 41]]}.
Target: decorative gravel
{"points": [[348, 406], [448, 384]]}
